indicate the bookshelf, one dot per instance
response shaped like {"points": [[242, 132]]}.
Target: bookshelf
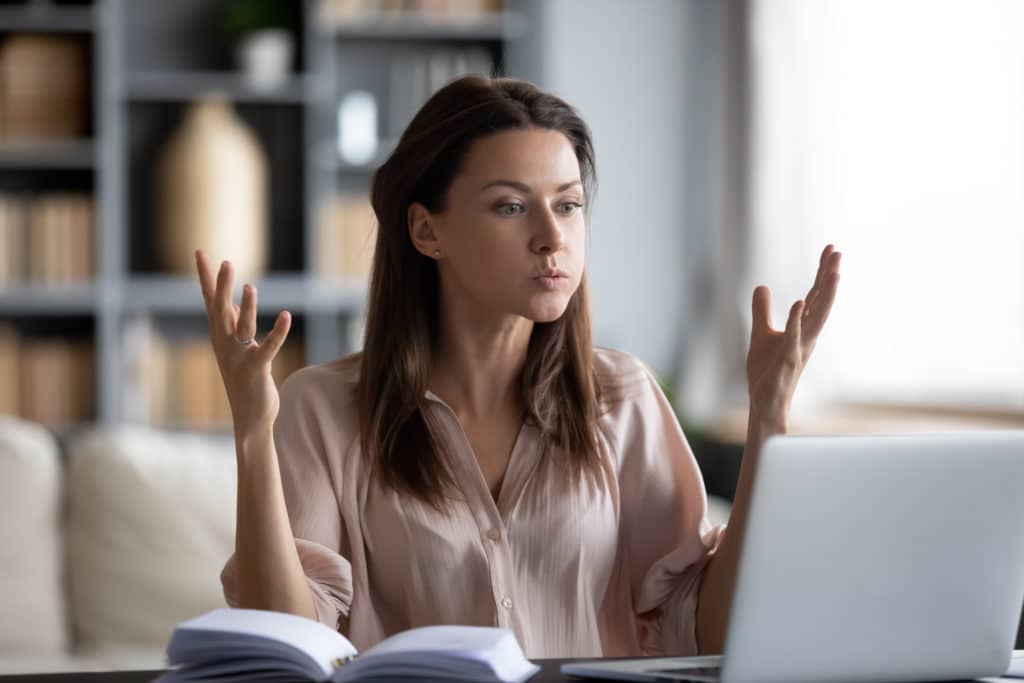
{"points": [[148, 60]]}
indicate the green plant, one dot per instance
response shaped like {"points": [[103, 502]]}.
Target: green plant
{"points": [[241, 17]]}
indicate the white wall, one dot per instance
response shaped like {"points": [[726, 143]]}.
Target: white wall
{"points": [[622, 64]]}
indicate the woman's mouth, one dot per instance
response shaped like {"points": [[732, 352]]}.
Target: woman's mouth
{"points": [[551, 282]]}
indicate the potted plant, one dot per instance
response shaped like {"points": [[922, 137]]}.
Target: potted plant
{"points": [[264, 45]]}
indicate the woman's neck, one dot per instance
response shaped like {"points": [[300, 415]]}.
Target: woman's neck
{"points": [[477, 365]]}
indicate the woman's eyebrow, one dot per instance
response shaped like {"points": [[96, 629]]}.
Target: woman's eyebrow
{"points": [[523, 187]]}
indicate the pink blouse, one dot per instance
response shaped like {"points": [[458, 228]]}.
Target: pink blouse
{"points": [[574, 569]]}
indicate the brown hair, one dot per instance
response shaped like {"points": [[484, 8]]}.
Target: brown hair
{"points": [[557, 385]]}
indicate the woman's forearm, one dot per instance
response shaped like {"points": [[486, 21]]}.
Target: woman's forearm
{"points": [[715, 597], [270, 575]]}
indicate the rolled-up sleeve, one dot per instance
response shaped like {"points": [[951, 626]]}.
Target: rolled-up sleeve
{"points": [[667, 533], [312, 504]]}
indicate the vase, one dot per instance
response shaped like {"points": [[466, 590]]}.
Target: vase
{"points": [[212, 192], [265, 58]]}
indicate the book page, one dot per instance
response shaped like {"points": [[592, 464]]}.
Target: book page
{"points": [[453, 653], [310, 640], [1017, 665]]}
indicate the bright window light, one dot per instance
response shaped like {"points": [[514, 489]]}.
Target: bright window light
{"points": [[895, 129]]}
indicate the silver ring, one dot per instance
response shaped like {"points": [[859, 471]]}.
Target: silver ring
{"points": [[245, 342]]}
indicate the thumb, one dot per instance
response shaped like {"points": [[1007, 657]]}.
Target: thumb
{"points": [[761, 309]]}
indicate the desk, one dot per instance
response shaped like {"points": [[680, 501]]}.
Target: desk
{"points": [[549, 673]]}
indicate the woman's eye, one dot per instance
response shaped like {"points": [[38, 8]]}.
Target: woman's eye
{"points": [[572, 206], [510, 209]]}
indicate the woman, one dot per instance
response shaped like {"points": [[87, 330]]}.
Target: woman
{"points": [[480, 462]]}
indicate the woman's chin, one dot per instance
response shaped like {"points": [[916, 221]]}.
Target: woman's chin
{"points": [[548, 311]]}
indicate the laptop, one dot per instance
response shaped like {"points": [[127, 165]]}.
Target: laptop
{"points": [[870, 558]]}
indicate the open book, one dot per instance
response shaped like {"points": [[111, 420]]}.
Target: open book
{"points": [[230, 644]]}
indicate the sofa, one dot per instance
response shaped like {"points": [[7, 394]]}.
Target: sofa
{"points": [[109, 538], [105, 549]]}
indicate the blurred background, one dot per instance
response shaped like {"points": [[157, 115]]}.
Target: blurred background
{"points": [[735, 139]]}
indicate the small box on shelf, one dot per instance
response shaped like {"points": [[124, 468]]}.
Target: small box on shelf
{"points": [[45, 86]]}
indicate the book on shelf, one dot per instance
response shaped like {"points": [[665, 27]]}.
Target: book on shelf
{"points": [[9, 372], [413, 76], [47, 239], [13, 249], [231, 644], [346, 228], [343, 12], [55, 380], [61, 232]]}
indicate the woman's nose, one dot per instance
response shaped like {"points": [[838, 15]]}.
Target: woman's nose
{"points": [[548, 237]]}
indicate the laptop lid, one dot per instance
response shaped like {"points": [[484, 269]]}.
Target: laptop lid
{"points": [[892, 558]]}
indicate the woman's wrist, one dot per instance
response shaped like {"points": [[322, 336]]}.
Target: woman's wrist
{"points": [[761, 425], [253, 439]]}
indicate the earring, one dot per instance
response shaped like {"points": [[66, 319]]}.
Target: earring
{"points": [[437, 253]]}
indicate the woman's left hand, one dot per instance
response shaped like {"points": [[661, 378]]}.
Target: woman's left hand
{"points": [[776, 359]]}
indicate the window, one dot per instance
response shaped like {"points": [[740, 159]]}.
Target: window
{"points": [[895, 129]]}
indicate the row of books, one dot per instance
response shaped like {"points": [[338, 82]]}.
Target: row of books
{"points": [[413, 76], [46, 380], [50, 238], [47, 238], [174, 381], [345, 235], [335, 12]]}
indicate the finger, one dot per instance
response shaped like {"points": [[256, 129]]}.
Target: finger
{"points": [[815, 320], [272, 343], [762, 309], [222, 299], [794, 326], [823, 267], [824, 285], [829, 248], [246, 327], [206, 281]]}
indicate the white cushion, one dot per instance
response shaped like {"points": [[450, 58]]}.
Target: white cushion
{"points": [[52, 663], [32, 602], [122, 657], [151, 523]]}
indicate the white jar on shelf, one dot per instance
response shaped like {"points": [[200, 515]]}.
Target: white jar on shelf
{"points": [[357, 127], [212, 192]]}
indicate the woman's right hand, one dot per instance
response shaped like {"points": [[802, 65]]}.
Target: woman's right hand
{"points": [[244, 368]]}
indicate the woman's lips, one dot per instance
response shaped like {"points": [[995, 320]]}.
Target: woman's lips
{"points": [[551, 283]]}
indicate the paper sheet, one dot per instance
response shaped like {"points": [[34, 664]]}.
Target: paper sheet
{"points": [[1016, 665]]}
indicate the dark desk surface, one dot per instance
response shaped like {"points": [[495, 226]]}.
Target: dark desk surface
{"points": [[548, 674]]}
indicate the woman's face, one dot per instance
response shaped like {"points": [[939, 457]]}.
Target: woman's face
{"points": [[513, 217]]}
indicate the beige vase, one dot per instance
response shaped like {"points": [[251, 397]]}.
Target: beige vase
{"points": [[212, 193]]}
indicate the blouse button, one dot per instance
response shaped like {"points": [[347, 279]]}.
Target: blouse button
{"points": [[494, 535], [506, 602]]}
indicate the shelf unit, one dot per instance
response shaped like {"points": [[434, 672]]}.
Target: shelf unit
{"points": [[150, 58]]}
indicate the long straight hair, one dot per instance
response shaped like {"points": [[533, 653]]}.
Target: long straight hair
{"points": [[557, 385]]}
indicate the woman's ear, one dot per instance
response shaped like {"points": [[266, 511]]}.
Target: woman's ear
{"points": [[421, 231]]}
